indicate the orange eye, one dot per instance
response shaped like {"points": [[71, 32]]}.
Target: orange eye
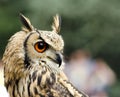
{"points": [[40, 46]]}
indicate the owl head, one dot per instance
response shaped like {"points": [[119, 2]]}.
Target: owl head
{"points": [[33, 47]]}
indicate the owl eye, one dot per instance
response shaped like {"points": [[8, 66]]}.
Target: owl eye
{"points": [[40, 46]]}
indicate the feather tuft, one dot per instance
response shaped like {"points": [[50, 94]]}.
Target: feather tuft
{"points": [[56, 23], [26, 22]]}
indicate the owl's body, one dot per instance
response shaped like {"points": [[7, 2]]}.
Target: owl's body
{"points": [[33, 64]]}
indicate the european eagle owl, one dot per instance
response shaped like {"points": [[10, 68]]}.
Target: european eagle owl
{"points": [[33, 63]]}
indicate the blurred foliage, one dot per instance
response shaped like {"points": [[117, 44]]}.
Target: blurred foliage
{"points": [[93, 25], [9, 22], [114, 90]]}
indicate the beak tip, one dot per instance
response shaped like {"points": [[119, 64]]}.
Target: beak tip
{"points": [[59, 59]]}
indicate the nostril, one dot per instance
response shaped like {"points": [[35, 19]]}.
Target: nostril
{"points": [[59, 59]]}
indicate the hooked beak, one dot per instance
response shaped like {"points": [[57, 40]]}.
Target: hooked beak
{"points": [[57, 60]]}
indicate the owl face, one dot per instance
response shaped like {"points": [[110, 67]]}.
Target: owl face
{"points": [[43, 47]]}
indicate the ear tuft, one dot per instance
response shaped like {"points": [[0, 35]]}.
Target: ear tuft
{"points": [[26, 22], [56, 23]]}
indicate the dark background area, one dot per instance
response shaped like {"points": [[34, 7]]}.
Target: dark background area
{"points": [[93, 25]]}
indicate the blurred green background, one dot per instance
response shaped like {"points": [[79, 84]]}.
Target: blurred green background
{"points": [[93, 25]]}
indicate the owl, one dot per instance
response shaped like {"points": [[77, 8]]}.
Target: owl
{"points": [[33, 63]]}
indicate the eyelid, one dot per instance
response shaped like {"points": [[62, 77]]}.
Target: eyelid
{"points": [[37, 41]]}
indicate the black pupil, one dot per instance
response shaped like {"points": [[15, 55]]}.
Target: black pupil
{"points": [[41, 45]]}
